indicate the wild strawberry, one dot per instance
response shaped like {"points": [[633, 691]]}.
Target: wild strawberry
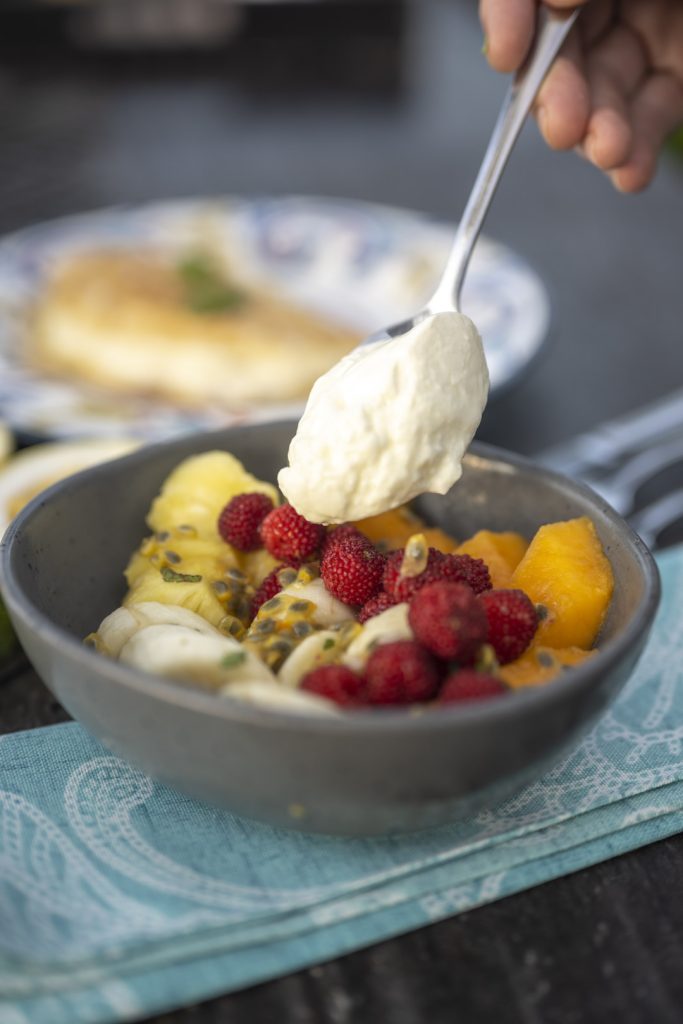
{"points": [[269, 587], [239, 522], [338, 533], [375, 606], [466, 684], [336, 682], [512, 620], [448, 619], [401, 673], [465, 569], [289, 536], [402, 588], [458, 568], [352, 569]]}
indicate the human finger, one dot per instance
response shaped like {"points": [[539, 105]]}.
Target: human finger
{"points": [[615, 68], [562, 107], [656, 110], [508, 30]]}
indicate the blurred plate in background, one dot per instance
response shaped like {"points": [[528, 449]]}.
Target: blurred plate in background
{"points": [[361, 266]]}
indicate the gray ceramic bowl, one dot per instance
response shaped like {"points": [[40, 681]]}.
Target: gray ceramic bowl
{"points": [[366, 772]]}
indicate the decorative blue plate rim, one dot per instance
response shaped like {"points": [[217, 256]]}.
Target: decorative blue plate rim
{"points": [[362, 263]]}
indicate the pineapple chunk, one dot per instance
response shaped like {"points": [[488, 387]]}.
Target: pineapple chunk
{"points": [[187, 554], [198, 596], [196, 491]]}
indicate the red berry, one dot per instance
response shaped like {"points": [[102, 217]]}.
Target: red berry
{"points": [[339, 533], [512, 620], [270, 586], [289, 536], [401, 673], [352, 569], [465, 569], [402, 588], [239, 522], [448, 619], [336, 682], [466, 684], [375, 606], [458, 568]]}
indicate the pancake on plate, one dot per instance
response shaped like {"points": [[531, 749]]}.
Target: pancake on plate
{"points": [[136, 321]]}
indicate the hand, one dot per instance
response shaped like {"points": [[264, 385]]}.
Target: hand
{"points": [[616, 90]]}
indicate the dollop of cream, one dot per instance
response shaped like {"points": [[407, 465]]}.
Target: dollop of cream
{"points": [[390, 421]]}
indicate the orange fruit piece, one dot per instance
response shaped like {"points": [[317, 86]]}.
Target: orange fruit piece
{"points": [[502, 553], [566, 570], [393, 529], [540, 665]]}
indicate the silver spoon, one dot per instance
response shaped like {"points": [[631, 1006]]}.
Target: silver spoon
{"points": [[551, 32]]}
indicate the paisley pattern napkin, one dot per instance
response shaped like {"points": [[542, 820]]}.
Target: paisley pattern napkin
{"points": [[120, 897]]}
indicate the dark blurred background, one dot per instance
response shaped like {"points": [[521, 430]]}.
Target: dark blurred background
{"points": [[386, 100]]}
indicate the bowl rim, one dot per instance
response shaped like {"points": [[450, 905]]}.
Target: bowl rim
{"points": [[379, 720]]}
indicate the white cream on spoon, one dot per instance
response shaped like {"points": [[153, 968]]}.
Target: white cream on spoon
{"points": [[393, 419], [390, 421]]}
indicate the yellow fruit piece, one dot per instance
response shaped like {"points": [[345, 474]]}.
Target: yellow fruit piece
{"points": [[256, 564], [196, 491], [567, 572], [199, 597], [391, 530], [502, 553], [539, 665], [186, 554], [439, 539]]}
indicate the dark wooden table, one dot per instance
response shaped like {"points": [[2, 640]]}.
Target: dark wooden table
{"points": [[395, 105]]}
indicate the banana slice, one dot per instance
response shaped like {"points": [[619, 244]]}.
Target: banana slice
{"points": [[118, 627], [328, 610], [273, 695], [386, 628], [320, 648], [181, 653]]}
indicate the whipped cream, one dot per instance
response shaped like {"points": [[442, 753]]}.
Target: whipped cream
{"points": [[390, 421]]}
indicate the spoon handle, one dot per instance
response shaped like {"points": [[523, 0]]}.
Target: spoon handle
{"points": [[551, 32]]}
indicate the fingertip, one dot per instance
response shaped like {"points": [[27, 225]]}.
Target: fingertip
{"points": [[633, 177], [561, 129], [608, 140], [563, 107], [508, 30]]}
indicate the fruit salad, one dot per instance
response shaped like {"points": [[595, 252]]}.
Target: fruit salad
{"points": [[238, 593]]}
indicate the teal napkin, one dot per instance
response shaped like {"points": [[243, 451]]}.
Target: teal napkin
{"points": [[120, 898]]}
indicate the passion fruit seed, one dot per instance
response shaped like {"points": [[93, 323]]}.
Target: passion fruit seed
{"points": [[231, 626], [265, 627], [415, 557], [286, 577], [486, 660], [187, 529]]}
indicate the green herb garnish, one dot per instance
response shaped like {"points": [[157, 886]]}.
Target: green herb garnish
{"points": [[233, 660], [171, 576], [328, 644], [206, 288]]}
